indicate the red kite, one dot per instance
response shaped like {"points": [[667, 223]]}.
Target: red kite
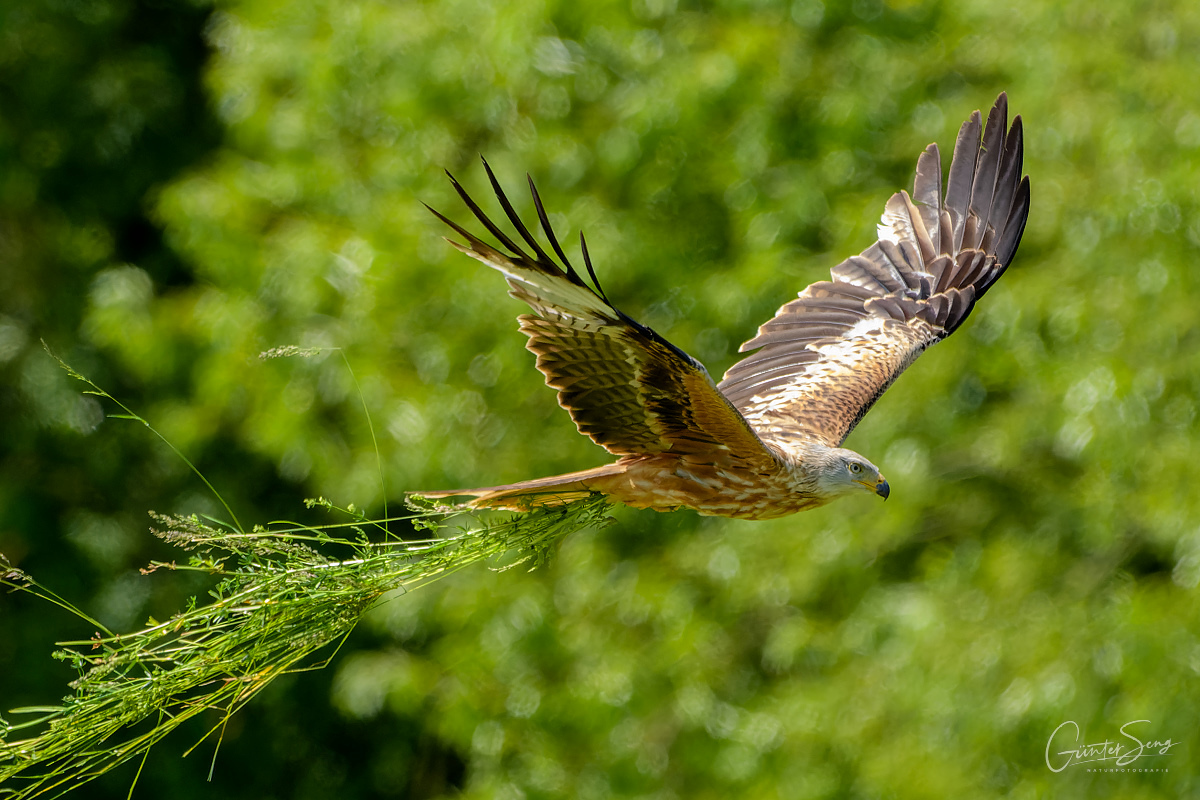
{"points": [[765, 441]]}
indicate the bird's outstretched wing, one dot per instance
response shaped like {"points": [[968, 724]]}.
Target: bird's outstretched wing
{"points": [[825, 358], [626, 387]]}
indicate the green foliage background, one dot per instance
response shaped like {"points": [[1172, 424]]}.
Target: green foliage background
{"points": [[182, 187]]}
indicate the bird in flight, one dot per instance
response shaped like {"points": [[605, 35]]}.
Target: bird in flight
{"points": [[766, 441]]}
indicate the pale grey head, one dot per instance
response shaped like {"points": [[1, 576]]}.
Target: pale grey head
{"points": [[841, 471]]}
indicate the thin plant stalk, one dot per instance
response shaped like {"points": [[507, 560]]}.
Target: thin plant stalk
{"points": [[287, 597]]}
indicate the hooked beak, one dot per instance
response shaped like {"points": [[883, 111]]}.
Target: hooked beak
{"points": [[882, 489]]}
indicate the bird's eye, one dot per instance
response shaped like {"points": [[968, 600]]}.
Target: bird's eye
{"points": [[855, 467]]}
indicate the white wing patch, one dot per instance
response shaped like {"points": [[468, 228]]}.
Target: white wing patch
{"points": [[550, 295]]}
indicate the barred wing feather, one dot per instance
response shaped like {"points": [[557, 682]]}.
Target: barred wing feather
{"points": [[827, 356]]}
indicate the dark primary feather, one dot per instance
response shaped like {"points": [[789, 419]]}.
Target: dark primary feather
{"points": [[825, 358], [629, 389]]}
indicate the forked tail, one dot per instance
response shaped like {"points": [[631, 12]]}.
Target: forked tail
{"points": [[553, 491]]}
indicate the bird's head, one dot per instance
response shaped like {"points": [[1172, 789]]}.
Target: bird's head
{"points": [[845, 471]]}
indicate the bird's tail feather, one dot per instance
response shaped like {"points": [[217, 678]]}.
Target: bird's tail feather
{"points": [[553, 491]]}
